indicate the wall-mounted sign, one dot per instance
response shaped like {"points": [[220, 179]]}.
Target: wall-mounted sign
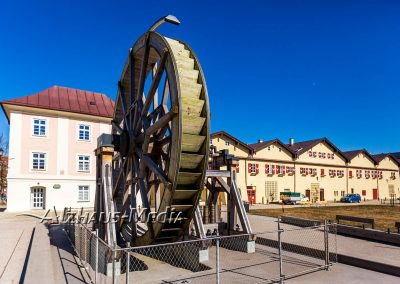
{"points": [[57, 186]]}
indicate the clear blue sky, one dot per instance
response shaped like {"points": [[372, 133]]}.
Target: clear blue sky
{"points": [[302, 69]]}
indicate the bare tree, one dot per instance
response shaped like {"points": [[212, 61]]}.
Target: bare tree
{"points": [[3, 166]]}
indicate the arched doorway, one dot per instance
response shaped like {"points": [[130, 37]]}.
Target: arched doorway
{"points": [[38, 197]]}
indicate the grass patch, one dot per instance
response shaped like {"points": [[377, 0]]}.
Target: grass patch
{"points": [[384, 216]]}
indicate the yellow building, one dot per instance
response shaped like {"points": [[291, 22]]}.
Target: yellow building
{"points": [[315, 168]]}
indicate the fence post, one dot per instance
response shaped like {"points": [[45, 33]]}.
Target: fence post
{"points": [[127, 268], [97, 256], [326, 241], [114, 252], [217, 258], [281, 276]]}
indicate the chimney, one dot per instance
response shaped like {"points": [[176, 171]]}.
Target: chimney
{"points": [[291, 142], [260, 141]]}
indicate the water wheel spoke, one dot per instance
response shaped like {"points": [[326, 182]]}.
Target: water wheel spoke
{"points": [[165, 93], [161, 122], [156, 170], [155, 83], [124, 106], [120, 176], [117, 127]]}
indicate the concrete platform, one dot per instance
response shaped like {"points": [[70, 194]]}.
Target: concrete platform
{"points": [[346, 246]]}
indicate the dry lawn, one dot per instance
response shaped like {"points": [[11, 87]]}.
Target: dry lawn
{"points": [[384, 216]]}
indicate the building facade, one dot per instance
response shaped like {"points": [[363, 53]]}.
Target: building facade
{"points": [[53, 135], [315, 168]]}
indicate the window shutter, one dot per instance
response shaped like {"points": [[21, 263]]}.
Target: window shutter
{"points": [[273, 169], [283, 170], [350, 173], [257, 171], [266, 169], [306, 171], [237, 168], [249, 168], [322, 172]]}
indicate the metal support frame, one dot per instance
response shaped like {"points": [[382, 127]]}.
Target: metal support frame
{"points": [[218, 181]]}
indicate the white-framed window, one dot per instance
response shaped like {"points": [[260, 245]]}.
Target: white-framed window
{"points": [[84, 132], [253, 168], [38, 161], [39, 127], [83, 193], [268, 169], [342, 193], [227, 143], [335, 193], [83, 163]]}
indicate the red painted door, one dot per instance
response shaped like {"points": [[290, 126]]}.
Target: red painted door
{"points": [[321, 195], [251, 195], [374, 193], [308, 194]]}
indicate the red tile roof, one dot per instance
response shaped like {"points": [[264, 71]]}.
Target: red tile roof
{"points": [[379, 157], [223, 133], [350, 155], [69, 100], [261, 145]]}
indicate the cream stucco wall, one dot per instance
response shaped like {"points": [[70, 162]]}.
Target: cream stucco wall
{"points": [[333, 186]]}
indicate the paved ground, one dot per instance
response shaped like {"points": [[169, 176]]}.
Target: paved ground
{"points": [[33, 253], [345, 245], [30, 253]]}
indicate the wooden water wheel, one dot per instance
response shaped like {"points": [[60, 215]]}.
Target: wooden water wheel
{"points": [[160, 136]]}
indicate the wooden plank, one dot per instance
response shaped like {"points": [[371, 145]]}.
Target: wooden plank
{"points": [[192, 143], [190, 74], [190, 89], [190, 161], [217, 173], [192, 124], [184, 62], [192, 106], [187, 177], [184, 194]]}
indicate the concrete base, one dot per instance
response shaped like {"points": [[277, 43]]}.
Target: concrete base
{"points": [[203, 255], [109, 268]]}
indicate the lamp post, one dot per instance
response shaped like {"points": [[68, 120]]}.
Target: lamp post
{"points": [[1, 175]]}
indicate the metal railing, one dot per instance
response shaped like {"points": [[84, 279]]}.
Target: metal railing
{"points": [[264, 257]]}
